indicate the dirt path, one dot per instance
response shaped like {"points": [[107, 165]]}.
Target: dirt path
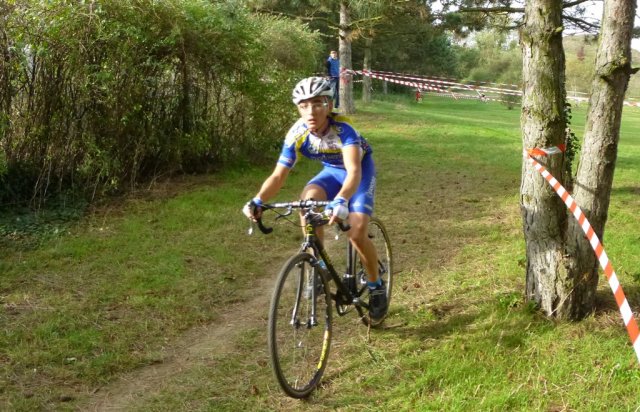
{"points": [[198, 346], [192, 349]]}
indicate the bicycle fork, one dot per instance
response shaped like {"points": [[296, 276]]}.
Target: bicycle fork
{"points": [[309, 285]]}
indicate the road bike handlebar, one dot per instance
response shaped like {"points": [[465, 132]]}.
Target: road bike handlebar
{"points": [[300, 204]]}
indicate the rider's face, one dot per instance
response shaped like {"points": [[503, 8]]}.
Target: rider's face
{"points": [[315, 112]]}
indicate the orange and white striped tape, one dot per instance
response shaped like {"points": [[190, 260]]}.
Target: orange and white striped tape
{"points": [[486, 91], [547, 151], [605, 263], [427, 85], [451, 84], [477, 82], [419, 85]]}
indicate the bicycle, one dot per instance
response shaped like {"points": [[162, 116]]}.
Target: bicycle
{"points": [[300, 313]]}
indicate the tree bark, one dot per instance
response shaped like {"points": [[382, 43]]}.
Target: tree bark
{"points": [[366, 65], [346, 84], [543, 122], [599, 150]]}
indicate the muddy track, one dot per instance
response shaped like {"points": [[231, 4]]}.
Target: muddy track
{"points": [[191, 350]]}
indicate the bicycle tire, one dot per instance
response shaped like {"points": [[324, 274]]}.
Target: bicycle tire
{"points": [[380, 238], [298, 350]]}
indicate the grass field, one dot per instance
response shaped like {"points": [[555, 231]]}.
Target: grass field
{"points": [[159, 302]]}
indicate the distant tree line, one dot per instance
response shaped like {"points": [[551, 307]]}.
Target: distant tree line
{"points": [[97, 96]]}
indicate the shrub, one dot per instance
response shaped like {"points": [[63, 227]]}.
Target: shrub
{"points": [[104, 95]]}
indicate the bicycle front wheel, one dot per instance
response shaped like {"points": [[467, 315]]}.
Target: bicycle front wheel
{"points": [[299, 326]]}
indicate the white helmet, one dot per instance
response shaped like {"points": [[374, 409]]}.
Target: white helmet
{"points": [[311, 87]]}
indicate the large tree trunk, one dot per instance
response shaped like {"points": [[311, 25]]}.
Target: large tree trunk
{"points": [[346, 85], [599, 150], [366, 65], [543, 122]]}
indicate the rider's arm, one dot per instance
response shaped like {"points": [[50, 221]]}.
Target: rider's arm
{"points": [[352, 156], [273, 183]]}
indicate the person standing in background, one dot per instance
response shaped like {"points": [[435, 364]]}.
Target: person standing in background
{"points": [[418, 95], [333, 71]]}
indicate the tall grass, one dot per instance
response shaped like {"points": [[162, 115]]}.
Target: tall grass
{"points": [[120, 291]]}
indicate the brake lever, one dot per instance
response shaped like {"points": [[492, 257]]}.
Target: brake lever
{"points": [[263, 228], [345, 227], [283, 215]]}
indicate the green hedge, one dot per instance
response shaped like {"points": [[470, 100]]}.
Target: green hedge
{"points": [[99, 96]]}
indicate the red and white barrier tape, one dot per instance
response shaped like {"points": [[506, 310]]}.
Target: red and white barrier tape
{"points": [[422, 79], [392, 79], [437, 83], [425, 85], [420, 85], [453, 84], [478, 82], [621, 300], [511, 89], [547, 151], [474, 97]]}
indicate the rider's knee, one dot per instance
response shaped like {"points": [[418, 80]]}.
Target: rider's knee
{"points": [[313, 192], [358, 232]]}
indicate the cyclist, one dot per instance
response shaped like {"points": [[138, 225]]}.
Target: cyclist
{"points": [[348, 177]]}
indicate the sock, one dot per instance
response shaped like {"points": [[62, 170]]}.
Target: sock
{"points": [[374, 285]]}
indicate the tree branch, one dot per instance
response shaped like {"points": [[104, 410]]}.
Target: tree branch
{"points": [[581, 23], [331, 23], [573, 3], [492, 10], [506, 9]]}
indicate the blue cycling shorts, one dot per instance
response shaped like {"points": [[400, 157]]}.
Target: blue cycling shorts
{"points": [[331, 180]]}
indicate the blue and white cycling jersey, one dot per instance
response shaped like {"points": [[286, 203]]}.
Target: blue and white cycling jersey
{"points": [[327, 149]]}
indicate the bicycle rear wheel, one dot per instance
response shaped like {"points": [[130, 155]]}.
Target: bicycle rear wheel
{"points": [[380, 238], [299, 341]]}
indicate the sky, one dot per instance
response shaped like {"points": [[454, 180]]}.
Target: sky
{"points": [[594, 9]]}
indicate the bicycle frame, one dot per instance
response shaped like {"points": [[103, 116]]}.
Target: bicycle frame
{"points": [[344, 295]]}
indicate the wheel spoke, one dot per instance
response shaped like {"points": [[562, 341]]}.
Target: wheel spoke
{"points": [[298, 342]]}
